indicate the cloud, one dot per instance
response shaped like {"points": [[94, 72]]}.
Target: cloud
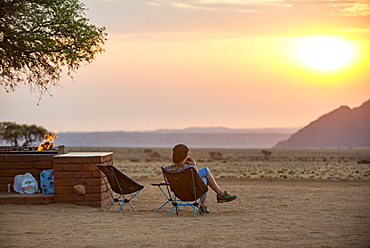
{"points": [[359, 9], [222, 5], [166, 19], [337, 8], [343, 8]]}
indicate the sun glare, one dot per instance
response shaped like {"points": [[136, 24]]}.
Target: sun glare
{"points": [[324, 53]]}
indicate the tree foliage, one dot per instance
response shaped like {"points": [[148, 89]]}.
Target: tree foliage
{"points": [[39, 38], [15, 134]]}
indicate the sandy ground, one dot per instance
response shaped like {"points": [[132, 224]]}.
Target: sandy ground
{"points": [[267, 213]]}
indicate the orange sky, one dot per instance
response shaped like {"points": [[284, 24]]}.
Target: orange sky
{"points": [[237, 64]]}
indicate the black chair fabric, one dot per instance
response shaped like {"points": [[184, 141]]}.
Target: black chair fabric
{"points": [[186, 185], [119, 184]]}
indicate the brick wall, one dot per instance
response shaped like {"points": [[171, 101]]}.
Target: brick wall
{"points": [[80, 169], [69, 170], [12, 165]]}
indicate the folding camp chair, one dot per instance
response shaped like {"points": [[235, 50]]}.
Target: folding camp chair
{"points": [[120, 184], [187, 187]]}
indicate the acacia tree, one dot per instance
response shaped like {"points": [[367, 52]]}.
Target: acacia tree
{"points": [[14, 133], [39, 38], [32, 134]]}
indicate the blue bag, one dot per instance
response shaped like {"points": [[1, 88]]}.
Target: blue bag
{"points": [[47, 181]]}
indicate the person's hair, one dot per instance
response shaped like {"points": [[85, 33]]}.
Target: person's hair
{"points": [[179, 154]]}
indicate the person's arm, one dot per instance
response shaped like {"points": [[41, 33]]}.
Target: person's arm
{"points": [[192, 162]]}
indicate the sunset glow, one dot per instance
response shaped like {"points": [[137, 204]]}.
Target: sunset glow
{"points": [[325, 53], [235, 64]]}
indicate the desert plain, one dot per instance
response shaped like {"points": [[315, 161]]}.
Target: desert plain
{"points": [[286, 198]]}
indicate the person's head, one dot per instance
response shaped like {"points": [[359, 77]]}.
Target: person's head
{"points": [[179, 153]]}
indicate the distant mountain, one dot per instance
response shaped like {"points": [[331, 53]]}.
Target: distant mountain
{"points": [[225, 130], [215, 137], [343, 127]]}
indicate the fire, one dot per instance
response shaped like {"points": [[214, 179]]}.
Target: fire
{"points": [[48, 141]]}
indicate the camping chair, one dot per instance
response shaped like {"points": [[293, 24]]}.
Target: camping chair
{"points": [[120, 184], [187, 187]]}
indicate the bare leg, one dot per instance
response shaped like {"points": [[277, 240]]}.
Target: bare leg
{"points": [[213, 184]]}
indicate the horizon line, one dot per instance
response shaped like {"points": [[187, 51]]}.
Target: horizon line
{"points": [[184, 129]]}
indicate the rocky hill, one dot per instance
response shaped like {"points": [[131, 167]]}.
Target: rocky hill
{"points": [[342, 127]]}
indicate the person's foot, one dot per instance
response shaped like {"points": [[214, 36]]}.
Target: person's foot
{"points": [[203, 210], [225, 197]]}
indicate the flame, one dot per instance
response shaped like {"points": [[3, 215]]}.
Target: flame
{"points": [[48, 141]]}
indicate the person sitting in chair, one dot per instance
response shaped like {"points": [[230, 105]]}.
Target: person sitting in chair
{"points": [[181, 160]]}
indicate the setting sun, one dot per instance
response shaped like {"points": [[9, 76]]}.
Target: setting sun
{"points": [[324, 53]]}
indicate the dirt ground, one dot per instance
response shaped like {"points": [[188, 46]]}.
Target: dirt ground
{"points": [[267, 213]]}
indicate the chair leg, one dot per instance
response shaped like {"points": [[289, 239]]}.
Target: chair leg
{"points": [[127, 201], [164, 204], [196, 208], [120, 207], [110, 206], [119, 203], [175, 206], [171, 210]]}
